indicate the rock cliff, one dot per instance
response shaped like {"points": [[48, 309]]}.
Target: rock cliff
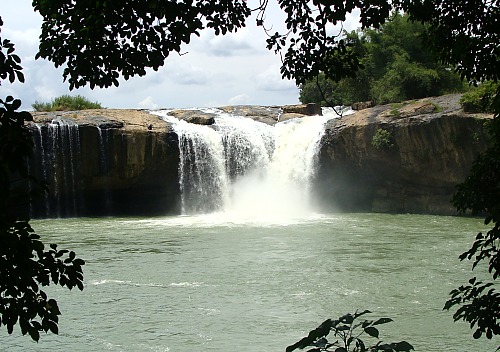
{"points": [[106, 162], [125, 162], [427, 148]]}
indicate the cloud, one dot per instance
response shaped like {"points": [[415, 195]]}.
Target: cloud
{"points": [[240, 99], [148, 103], [186, 74], [240, 43], [271, 80]]}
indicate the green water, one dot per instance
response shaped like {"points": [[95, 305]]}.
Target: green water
{"points": [[202, 284]]}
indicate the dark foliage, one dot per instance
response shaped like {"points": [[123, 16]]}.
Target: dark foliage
{"points": [[347, 331], [464, 34], [25, 264], [100, 40], [478, 302]]}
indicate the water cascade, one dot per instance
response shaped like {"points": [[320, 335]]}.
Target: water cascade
{"points": [[103, 136], [58, 143], [247, 169]]}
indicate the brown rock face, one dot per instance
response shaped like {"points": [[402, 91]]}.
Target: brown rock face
{"points": [[104, 167], [404, 158], [416, 171], [361, 105], [194, 116], [304, 109]]}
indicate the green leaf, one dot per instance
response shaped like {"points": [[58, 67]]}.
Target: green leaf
{"points": [[35, 335], [53, 327], [382, 321], [373, 332], [403, 346]]}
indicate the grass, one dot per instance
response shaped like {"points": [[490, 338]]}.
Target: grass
{"points": [[66, 103]]}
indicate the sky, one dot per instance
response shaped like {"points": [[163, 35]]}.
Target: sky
{"points": [[216, 71]]}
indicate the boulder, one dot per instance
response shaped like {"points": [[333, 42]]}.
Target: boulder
{"points": [[194, 116], [304, 109], [265, 114], [361, 105]]}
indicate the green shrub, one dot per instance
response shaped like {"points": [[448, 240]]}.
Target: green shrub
{"points": [[66, 103], [346, 332], [480, 98], [383, 139]]}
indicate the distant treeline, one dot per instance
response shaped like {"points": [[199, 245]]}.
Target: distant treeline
{"points": [[398, 66]]}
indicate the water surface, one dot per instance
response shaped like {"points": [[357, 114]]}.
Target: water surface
{"points": [[204, 283]]}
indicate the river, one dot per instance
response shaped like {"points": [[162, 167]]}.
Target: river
{"points": [[203, 283]]}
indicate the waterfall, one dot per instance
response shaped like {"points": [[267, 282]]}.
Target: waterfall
{"points": [[245, 168], [58, 145], [105, 166]]}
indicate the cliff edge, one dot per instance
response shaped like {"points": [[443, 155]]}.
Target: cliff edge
{"points": [[399, 158]]}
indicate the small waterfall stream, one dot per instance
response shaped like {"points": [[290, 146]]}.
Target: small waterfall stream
{"points": [[105, 166], [244, 168], [58, 143]]}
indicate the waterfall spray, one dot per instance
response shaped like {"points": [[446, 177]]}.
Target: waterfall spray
{"points": [[248, 169]]}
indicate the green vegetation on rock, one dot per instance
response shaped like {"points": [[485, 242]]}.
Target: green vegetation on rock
{"points": [[66, 103], [383, 139], [480, 98]]}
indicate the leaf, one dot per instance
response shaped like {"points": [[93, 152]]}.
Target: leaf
{"points": [[53, 327], [26, 116], [35, 335], [373, 332], [403, 346], [20, 76], [382, 321]]}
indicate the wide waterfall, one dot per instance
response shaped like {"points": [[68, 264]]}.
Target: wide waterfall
{"points": [[236, 167], [244, 168]]}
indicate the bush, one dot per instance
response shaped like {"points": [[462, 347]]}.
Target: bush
{"points": [[480, 99], [66, 103], [383, 139], [346, 332]]}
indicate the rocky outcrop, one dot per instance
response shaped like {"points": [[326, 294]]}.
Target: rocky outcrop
{"points": [[125, 162], [194, 116], [361, 105], [427, 153], [106, 162], [303, 109]]}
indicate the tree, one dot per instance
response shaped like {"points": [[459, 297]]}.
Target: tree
{"points": [[479, 301], [25, 263], [99, 40], [397, 66]]}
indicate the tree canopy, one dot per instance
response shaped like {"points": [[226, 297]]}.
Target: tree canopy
{"points": [[98, 41], [396, 63]]}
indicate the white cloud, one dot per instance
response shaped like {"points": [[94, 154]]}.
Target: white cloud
{"points": [[229, 45], [240, 99], [148, 103], [271, 80], [45, 93], [185, 73]]}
